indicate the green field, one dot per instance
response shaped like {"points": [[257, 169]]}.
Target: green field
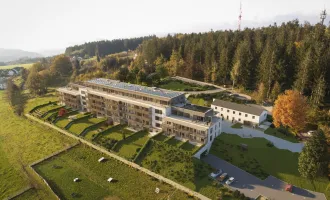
{"points": [[27, 66], [78, 127], [179, 165], [261, 160], [21, 143], [174, 142], [275, 132], [82, 162], [31, 194], [129, 147]]}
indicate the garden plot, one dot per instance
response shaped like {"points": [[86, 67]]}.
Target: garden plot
{"points": [[82, 162], [93, 132], [62, 122], [129, 147], [173, 141], [79, 126]]}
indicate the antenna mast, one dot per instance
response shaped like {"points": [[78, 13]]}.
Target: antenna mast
{"points": [[323, 15], [240, 16]]}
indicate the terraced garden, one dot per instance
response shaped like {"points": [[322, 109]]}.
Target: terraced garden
{"points": [[80, 125], [62, 122], [82, 162]]}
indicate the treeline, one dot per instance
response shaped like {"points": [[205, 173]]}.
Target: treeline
{"points": [[105, 47], [291, 55]]}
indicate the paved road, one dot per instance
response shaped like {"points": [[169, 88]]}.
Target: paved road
{"points": [[247, 132], [252, 186], [136, 166]]}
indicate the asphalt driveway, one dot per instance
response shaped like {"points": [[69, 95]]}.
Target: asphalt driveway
{"points": [[252, 186]]}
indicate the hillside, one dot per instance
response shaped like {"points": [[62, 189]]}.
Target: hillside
{"points": [[7, 55]]}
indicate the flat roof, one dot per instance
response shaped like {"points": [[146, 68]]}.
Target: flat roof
{"points": [[68, 90], [136, 88], [193, 107], [246, 108]]}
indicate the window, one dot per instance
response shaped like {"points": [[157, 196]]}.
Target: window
{"points": [[157, 125], [211, 138], [253, 117], [169, 123], [239, 119], [228, 110], [216, 107], [158, 118], [239, 113], [246, 115], [233, 112], [158, 111], [221, 109]]}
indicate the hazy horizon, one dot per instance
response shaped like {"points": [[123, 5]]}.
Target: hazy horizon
{"points": [[38, 25]]}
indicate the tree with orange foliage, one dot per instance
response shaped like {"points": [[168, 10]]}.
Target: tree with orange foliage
{"points": [[291, 110]]}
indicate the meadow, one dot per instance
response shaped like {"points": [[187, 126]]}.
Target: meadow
{"points": [[27, 66], [21, 143], [82, 162]]}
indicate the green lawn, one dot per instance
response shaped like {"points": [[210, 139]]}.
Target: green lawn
{"points": [[129, 147], [49, 107], [33, 102], [199, 101], [160, 137], [27, 66], [174, 142], [21, 143], [117, 132], [79, 126], [94, 131], [62, 122], [82, 162], [189, 147], [262, 160], [237, 125], [275, 132], [179, 166]]}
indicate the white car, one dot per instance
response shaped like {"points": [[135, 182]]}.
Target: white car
{"points": [[216, 173], [230, 180]]}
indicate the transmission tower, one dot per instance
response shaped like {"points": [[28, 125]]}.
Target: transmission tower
{"points": [[323, 15], [240, 16]]}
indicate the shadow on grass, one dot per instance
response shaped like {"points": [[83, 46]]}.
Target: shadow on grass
{"points": [[131, 139]]}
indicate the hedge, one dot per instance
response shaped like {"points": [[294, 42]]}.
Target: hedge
{"points": [[76, 120], [51, 110], [40, 106], [143, 148], [65, 115], [92, 126]]}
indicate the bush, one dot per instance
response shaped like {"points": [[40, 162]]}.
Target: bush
{"points": [[236, 193], [270, 144]]}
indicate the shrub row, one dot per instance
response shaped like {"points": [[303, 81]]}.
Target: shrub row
{"points": [[143, 149], [66, 115], [51, 110], [40, 106], [92, 126]]}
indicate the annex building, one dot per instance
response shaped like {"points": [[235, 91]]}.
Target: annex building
{"points": [[143, 107], [243, 113]]}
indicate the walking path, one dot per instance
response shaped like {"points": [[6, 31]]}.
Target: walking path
{"points": [[252, 186], [136, 166], [247, 132]]}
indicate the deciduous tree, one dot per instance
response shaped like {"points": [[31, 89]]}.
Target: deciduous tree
{"points": [[61, 66], [291, 110]]}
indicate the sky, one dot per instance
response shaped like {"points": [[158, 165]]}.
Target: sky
{"points": [[36, 25]]}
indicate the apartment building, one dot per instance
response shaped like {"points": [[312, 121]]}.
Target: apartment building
{"points": [[143, 107], [243, 113]]}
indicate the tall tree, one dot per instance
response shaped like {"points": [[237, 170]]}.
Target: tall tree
{"points": [[303, 75], [275, 91], [314, 158], [291, 109], [261, 93], [36, 83], [15, 97], [318, 92], [61, 66]]}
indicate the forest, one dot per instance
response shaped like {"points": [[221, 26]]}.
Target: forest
{"points": [[291, 55], [105, 47]]}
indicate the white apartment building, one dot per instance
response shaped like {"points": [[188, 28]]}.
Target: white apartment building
{"points": [[243, 113]]}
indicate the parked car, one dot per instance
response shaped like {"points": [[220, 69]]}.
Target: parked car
{"points": [[230, 180], [222, 177], [216, 173]]}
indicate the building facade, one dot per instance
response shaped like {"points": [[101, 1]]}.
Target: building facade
{"points": [[242, 113], [143, 107]]}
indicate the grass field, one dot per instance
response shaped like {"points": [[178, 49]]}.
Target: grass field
{"points": [[179, 165], [79, 126], [82, 162], [31, 194], [94, 131], [276, 133], [21, 143], [129, 147], [199, 101], [160, 137], [189, 147], [116, 132], [174, 142], [62, 122], [27, 66], [33, 102], [237, 125], [262, 160]]}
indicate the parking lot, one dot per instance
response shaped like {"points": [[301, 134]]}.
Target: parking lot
{"points": [[252, 186]]}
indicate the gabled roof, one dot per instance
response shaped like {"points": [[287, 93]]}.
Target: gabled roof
{"points": [[246, 108]]}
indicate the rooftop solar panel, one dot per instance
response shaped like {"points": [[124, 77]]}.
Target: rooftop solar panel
{"points": [[133, 87]]}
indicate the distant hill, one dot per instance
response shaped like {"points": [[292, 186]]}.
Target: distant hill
{"points": [[7, 55], [51, 52]]}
